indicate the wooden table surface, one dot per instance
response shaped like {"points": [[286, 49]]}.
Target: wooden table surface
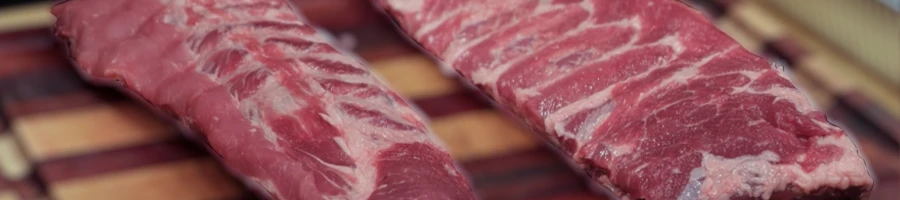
{"points": [[117, 149]]}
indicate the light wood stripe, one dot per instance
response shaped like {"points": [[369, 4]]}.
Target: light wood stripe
{"points": [[864, 29], [747, 39], [414, 77], [93, 164], [766, 25], [88, 129], [820, 97], [835, 71], [13, 164], [33, 15], [197, 179], [481, 134], [841, 75], [8, 195]]}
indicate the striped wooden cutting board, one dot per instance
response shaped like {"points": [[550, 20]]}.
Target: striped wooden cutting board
{"points": [[77, 141]]}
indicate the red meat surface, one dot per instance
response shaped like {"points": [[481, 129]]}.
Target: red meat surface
{"points": [[646, 95]]}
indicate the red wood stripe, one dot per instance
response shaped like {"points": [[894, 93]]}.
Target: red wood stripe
{"points": [[530, 174], [575, 196], [41, 83], [457, 102], [121, 159], [27, 189], [708, 8], [335, 15], [21, 60], [713, 9], [785, 49], [375, 35], [380, 41], [72, 100], [386, 52], [725, 3], [886, 189], [50, 89], [16, 36], [873, 113], [538, 188], [250, 196], [860, 124], [534, 156], [4, 123], [862, 117], [879, 115]]}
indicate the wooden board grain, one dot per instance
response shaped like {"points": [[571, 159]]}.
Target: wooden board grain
{"points": [[747, 39], [462, 119], [414, 76], [88, 129], [481, 134], [194, 179], [823, 61], [864, 30], [13, 163], [8, 195], [751, 14], [26, 16]]}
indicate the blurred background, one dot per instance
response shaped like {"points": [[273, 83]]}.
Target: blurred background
{"points": [[63, 138]]}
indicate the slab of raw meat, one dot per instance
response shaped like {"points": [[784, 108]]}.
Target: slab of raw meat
{"points": [[646, 95], [280, 105]]}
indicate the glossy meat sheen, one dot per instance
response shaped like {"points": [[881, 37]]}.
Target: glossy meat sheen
{"points": [[646, 95], [280, 106]]}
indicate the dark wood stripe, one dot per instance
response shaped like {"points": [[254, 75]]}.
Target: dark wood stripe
{"points": [[336, 15], [387, 51], [707, 7], [726, 3], [877, 115], [375, 35], [578, 196], [818, 194], [860, 124], [886, 189], [533, 156], [59, 102], [845, 112], [379, 42], [521, 172], [50, 89], [785, 49], [8, 3], [869, 107], [4, 122], [535, 159], [249, 195], [38, 32], [457, 102], [712, 8], [25, 60], [532, 174], [29, 188], [541, 187], [117, 160], [41, 83], [15, 109], [27, 44]]}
